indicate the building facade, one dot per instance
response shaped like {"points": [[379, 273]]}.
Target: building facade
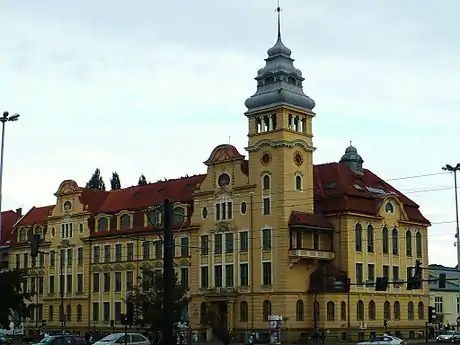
{"points": [[445, 300], [267, 234]]}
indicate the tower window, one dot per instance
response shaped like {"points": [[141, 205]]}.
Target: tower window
{"points": [[269, 80], [291, 80], [298, 183], [266, 182], [266, 206]]}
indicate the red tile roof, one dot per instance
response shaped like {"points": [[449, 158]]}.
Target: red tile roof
{"points": [[311, 220], [36, 215], [9, 218]]}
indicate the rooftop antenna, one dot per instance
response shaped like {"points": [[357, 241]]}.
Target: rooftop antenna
{"points": [[229, 142], [278, 9]]}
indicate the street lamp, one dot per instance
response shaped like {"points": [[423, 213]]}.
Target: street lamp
{"points": [[6, 117], [454, 170]]}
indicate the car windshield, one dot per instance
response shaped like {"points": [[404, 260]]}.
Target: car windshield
{"points": [[47, 340], [110, 338]]}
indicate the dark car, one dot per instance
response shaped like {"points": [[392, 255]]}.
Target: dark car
{"points": [[62, 339], [455, 338]]}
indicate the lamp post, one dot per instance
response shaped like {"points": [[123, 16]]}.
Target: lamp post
{"points": [[6, 117], [454, 170]]}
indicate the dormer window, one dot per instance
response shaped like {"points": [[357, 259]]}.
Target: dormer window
{"points": [[22, 235], [153, 218], [389, 208], [125, 221], [103, 224], [178, 215]]}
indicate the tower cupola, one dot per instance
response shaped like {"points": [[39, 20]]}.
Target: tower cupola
{"points": [[279, 82], [353, 160]]}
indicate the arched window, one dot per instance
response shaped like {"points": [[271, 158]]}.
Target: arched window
{"points": [[370, 238], [68, 313], [153, 218], [298, 183], [397, 311], [408, 243], [358, 237], [50, 313], [267, 310], [178, 215], [395, 241], [421, 311], [244, 311], [103, 224], [316, 313], [330, 309], [418, 244], [299, 308], [79, 313], [372, 310], [386, 311], [125, 221], [385, 240], [360, 311], [410, 311], [266, 182], [203, 312], [343, 311]]}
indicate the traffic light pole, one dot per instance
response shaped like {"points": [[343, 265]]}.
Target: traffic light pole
{"points": [[168, 273]]}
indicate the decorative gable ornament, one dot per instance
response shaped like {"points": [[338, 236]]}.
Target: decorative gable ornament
{"points": [[224, 153]]}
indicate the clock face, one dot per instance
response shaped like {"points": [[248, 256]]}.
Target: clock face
{"points": [[265, 158], [224, 180], [298, 159]]}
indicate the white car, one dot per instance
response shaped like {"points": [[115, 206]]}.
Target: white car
{"points": [[384, 340], [119, 339]]}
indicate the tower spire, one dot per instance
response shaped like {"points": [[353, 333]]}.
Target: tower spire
{"points": [[278, 9]]}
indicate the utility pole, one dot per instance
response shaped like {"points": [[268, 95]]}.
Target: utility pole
{"points": [[454, 170], [168, 273]]}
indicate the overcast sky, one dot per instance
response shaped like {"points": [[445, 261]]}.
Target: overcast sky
{"points": [[152, 87]]}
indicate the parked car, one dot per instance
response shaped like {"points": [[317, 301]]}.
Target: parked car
{"points": [[62, 339], [445, 337], [384, 340], [120, 338], [455, 338]]}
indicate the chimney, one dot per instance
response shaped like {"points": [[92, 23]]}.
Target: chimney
{"points": [[19, 212]]}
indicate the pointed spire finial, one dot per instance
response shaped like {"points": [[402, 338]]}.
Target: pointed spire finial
{"points": [[278, 9], [351, 143]]}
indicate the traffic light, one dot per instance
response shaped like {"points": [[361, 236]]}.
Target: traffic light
{"points": [[381, 284], [34, 245], [416, 281], [346, 285], [442, 280], [431, 314]]}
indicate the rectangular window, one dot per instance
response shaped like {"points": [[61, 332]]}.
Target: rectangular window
{"points": [[224, 210], [244, 241], [204, 245], [266, 239], [107, 250], [117, 281], [52, 259], [184, 247], [33, 285], [96, 254], [18, 261], [438, 305], [117, 310], [244, 274], [96, 282], [69, 256], [106, 282], [130, 251], [184, 276], [204, 277], [266, 206], [266, 273], [80, 256], [69, 284], [229, 242], [26, 260], [146, 250], [370, 272], [95, 311], [106, 311], [218, 244], [40, 285], [51, 284], [218, 276], [42, 260], [129, 280], [118, 252], [386, 271], [229, 276], [158, 250], [79, 283], [359, 273], [396, 276]]}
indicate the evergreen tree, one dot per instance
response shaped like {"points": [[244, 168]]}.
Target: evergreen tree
{"points": [[96, 181], [142, 180], [115, 181]]}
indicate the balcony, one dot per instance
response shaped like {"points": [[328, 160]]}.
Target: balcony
{"points": [[312, 254]]}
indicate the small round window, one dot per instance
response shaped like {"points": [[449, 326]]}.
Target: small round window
{"points": [[224, 180], [244, 208], [204, 213]]}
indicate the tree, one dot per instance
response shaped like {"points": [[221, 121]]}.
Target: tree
{"points": [[142, 180], [14, 300], [148, 296], [96, 181], [115, 181]]}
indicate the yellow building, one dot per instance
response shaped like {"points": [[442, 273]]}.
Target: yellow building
{"points": [[270, 234]]}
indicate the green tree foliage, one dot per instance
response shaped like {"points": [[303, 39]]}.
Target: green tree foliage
{"points": [[96, 181], [14, 300], [115, 181], [142, 180], [148, 296]]}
